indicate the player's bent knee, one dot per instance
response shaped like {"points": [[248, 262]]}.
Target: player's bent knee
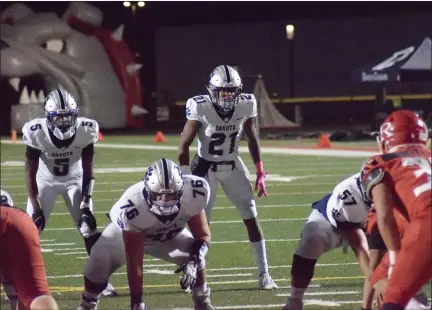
{"points": [[44, 302]]}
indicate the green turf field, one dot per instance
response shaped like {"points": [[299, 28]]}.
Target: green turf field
{"points": [[231, 268]]}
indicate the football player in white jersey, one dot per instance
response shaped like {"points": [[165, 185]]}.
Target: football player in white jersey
{"points": [[339, 216], [219, 120], [151, 218], [59, 161]]}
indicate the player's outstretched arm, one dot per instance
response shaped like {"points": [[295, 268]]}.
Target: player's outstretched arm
{"points": [[358, 242], [31, 168], [87, 167], [190, 130], [255, 152], [134, 247], [383, 201], [198, 226]]}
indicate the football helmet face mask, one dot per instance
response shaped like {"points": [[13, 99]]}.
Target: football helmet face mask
{"points": [[402, 127], [224, 87], [5, 199], [163, 187], [61, 111]]}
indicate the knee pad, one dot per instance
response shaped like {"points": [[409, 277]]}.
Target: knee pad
{"points": [[302, 268], [91, 240]]}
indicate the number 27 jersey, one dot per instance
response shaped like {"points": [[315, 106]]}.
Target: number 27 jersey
{"points": [[59, 164], [219, 137]]}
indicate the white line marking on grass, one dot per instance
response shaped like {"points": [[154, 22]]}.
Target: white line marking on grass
{"points": [[242, 149], [43, 250], [325, 293], [215, 208], [48, 240], [214, 222], [218, 196], [58, 244], [209, 270]]}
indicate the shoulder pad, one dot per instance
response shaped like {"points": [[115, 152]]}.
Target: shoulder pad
{"points": [[250, 102], [30, 132], [128, 212], [372, 173], [192, 107], [196, 194], [88, 130]]}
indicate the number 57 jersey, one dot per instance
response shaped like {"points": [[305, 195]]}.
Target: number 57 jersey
{"points": [[132, 212], [59, 164], [219, 134]]}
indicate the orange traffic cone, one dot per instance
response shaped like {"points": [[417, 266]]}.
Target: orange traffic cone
{"points": [[159, 137], [324, 141], [100, 137], [14, 136]]}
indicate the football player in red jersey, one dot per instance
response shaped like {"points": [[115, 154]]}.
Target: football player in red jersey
{"points": [[21, 263], [401, 179]]}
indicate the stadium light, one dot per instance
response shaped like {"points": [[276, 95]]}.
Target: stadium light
{"points": [[289, 31], [141, 4], [126, 4]]}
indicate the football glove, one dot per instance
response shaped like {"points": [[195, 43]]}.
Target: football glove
{"points": [[190, 270], [87, 223], [39, 220]]}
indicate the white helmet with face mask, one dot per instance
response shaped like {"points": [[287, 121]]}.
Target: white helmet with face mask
{"points": [[61, 112], [163, 187], [224, 87]]}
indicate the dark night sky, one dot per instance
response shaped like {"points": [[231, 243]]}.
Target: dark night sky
{"points": [[165, 13]]}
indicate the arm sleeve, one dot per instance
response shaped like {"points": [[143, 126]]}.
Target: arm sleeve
{"points": [[88, 150], [32, 153]]}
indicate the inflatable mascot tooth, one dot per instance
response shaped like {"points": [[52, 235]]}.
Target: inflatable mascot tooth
{"points": [[75, 53]]}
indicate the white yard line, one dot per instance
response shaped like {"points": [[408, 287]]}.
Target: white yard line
{"points": [[209, 270], [218, 196], [242, 149], [213, 222]]}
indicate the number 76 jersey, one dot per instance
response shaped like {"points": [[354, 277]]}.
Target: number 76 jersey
{"points": [[59, 164], [219, 135], [132, 212]]}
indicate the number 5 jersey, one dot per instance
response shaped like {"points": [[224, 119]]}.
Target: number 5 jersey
{"points": [[59, 164]]}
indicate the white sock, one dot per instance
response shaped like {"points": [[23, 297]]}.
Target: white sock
{"points": [[200, 290], [260, 256], [297, 293]]}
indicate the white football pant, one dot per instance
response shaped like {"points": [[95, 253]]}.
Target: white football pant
{"points": [[318, 236], [236, 186], [70, 190], [108, 254]]}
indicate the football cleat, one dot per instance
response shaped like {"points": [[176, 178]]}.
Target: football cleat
{"points": [[293, 304], [265, 282], [109, 291]]}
